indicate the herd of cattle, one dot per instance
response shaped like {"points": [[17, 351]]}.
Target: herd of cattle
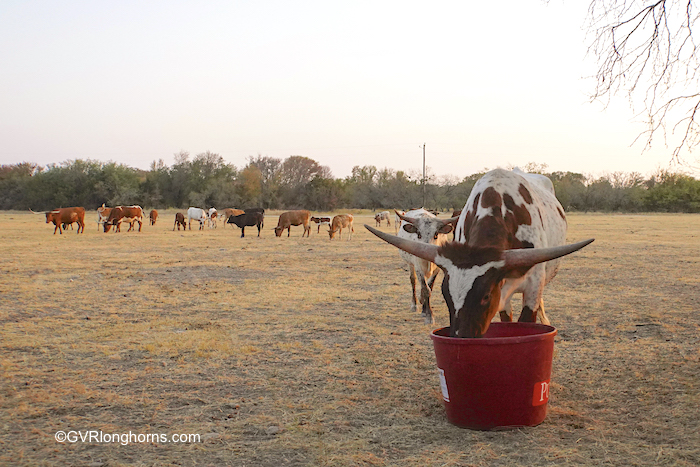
{"points": [[114, 217], [508, 239]]}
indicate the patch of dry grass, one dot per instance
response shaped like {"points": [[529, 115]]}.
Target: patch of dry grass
{"points": [[291, 351]]}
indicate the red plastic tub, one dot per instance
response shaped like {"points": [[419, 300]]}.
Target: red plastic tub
{"points": [[500, 380]]}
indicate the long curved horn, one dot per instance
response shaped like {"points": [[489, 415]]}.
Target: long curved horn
{"points": [[528, 257], [426, 251], [410, 220], [451, 220]]}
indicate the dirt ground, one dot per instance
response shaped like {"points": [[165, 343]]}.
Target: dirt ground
{"points": [[303, 352]]}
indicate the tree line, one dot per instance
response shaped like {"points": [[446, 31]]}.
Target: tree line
{"points": [[297, 182]]}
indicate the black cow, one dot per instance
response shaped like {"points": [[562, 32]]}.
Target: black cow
{"points": [[260, 210], [247, 219]]}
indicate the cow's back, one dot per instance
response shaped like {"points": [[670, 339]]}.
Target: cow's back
{"points": [[532, 215]]}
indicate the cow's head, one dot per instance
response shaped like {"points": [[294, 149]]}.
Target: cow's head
{"points": [[474, 276], [426, 228], [278, 231], [331, 233]]}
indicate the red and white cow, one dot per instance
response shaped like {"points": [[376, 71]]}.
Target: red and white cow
{"points": [[198, 214], [510, 236], [211, 217], [319, 221], [102, 215], [121, 214]]}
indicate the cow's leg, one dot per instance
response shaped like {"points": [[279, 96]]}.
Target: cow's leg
{"points": [[289, 231], [507, 312], [140, 224], [412, 277], [507, 290], [259, 229], [532, 294], [425, 290], [243, 231]]}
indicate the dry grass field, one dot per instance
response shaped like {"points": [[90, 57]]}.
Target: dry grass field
{"points": [[295, 352]]}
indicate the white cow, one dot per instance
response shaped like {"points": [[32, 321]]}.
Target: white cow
{"points": [[420, 225], [102, 215], [212, 216], [198, 214], [382, 216]]}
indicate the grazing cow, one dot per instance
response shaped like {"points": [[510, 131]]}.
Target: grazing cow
{"points": [[319, 221], [510, 236], [247, 219], [422, 226], [102, 215], [228, 212], [290, 218], [153, 216], [340, 222], [122, 214], [180, 221], [66, 216], [211, 217], [198, 214], [382, 216]]}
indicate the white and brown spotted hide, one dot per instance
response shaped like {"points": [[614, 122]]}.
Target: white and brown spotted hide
{"points": [[505, 210]]}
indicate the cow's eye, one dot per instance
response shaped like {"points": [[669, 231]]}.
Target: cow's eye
{"points": [[486, 299], [436, 235]]}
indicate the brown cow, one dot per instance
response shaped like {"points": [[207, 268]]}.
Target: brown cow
{"points": [[180, 221], [290, 218], [63, 216], [340, 222], [153, 216], [121, 214]]}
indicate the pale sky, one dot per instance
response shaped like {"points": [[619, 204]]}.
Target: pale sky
{"points": [[482, 84]]}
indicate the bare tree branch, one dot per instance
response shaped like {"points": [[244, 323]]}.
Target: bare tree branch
{"points": [[648, 52]]}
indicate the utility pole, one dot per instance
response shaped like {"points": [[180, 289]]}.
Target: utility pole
{"points": [[424, 175]]}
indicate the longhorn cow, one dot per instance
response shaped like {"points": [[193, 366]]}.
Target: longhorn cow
{"points": [[510, 237]]}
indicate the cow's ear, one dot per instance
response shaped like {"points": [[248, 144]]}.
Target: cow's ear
{"points": [[445, 229], [410, 228]]}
